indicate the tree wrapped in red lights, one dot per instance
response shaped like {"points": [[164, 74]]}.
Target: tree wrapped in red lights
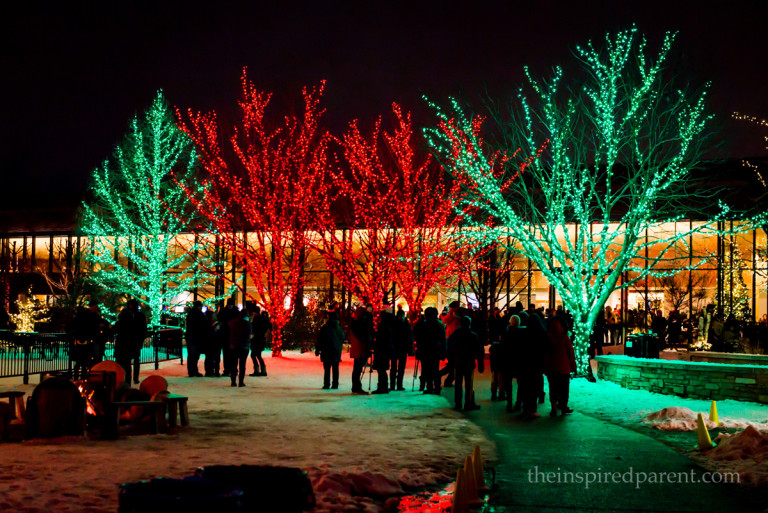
{"points": [[270, 186], [429, 227], [404, 226]]}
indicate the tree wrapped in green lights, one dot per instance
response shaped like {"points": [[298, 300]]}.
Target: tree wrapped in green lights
{"points": [[138, 213], [590, 165], [736, 298]]}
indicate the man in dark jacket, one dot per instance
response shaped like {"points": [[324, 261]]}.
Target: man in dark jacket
{"points": [[239, 345], [383, 349], [466, 348], [403, 345], [429, 334], [226, 314], [197, 332], [330, 341]]}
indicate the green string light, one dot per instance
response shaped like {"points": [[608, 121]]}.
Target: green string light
{"points": [[139, 212]]}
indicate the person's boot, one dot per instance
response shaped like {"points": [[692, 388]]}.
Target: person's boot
{"points": [[380, 391], [421, 384], [234, 383], [553, 411], [241, 384], [494, 397]]}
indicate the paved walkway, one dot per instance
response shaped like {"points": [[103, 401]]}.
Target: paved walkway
{"points": [[581, 443]]}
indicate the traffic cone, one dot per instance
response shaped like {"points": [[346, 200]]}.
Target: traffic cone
{"points": [[705, 442], [713, 413], [477, 462], [460, 501]]}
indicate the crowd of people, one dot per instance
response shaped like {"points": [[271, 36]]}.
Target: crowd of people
{"points": [[524, 345], [226, 338]]}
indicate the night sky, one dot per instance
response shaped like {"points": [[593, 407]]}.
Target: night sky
{"points": [[73, 77]]}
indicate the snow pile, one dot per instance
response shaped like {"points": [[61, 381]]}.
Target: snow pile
{"points": [[678, 418], [746, 452], [684, 419], [360, 452], [675, 419]]}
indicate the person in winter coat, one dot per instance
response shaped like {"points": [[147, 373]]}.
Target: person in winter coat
{"points": [[212, 347], [197, 331], [452, 321], [330, 341], [498, 391], [560, 362], [510, 353], [131, 330], [360, 336], [383, 349], [429, 334], [84, 329], [225, 315], [239, 345], [530, 379], [403, 345], [466, 348], [261, 325]]}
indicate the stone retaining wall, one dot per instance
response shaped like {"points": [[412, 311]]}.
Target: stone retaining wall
{"points": [[687, 379]]}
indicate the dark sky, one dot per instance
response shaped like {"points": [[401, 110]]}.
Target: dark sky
{"points": [[74, 76]]}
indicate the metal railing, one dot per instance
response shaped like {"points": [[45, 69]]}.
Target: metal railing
{"points": [[22, 354]]}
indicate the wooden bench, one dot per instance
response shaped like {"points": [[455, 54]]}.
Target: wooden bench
{"points": [[177, 403], [16, 402], [157, 411]]}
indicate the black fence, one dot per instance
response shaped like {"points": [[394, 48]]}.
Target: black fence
{"points": [[23, 354]]}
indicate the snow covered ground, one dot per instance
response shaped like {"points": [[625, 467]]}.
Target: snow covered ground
{"points": [[359, 451], [743, 447]]}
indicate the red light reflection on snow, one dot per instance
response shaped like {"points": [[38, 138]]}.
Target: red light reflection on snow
{"points": [[429, 502]]}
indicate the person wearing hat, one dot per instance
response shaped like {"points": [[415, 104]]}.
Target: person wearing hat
{"points": [[330, 341]]}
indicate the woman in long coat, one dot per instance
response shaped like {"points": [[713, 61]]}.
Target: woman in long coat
{"points": [[560, 363]]}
